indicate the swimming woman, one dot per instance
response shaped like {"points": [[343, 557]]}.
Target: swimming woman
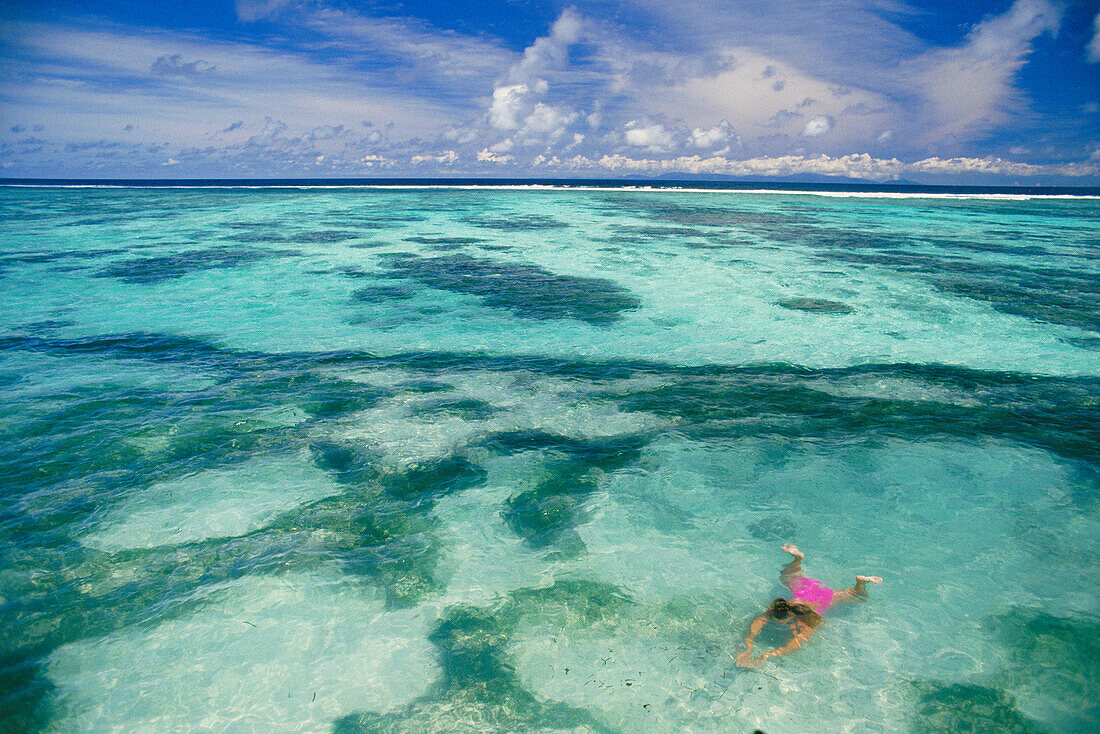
{"points": [[802, 612]]}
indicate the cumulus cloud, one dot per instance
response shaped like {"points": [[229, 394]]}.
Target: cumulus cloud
{"points": [[818, 126], [550, 50], [652, 136], [721, 135], [520, 104], [548, 120], [447, 157], [174, 65], [509, 104], [856, 165], [486, 155]]}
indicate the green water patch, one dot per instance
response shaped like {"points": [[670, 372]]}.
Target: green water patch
{"points": [[59, 259], [427, 482], [382, 528], [383, 293], [1065, 298], [774, 527], [379, 529], [654, 232], [370, 535], [525, 290], [1060, 295], [472, 409], [968, 707], [547, 515], [1058, 415], [517, 222], [380, 219], [458, 241], [690, 213], [273, 234], [815, 305], [151, 270], [367, 245], [349, 271], [1054, 665], [26, 694], [479, 689], [94, 442]]}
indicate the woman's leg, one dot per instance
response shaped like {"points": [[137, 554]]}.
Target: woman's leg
{"points": [[857, 592], [793, 570]]}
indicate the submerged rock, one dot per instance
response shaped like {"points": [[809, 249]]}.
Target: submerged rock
{"points": [[815, 305], [528, 291]]}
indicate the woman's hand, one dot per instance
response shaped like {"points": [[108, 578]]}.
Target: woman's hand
{"points": [[746, 660]]}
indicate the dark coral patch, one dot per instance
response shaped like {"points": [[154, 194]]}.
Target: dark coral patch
{"points": [[962, 707], [148, 270], [445, 240], [517, 222], [815, 305], [526, 290], [382, 292]]}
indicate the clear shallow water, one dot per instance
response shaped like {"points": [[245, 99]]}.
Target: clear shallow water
{"points": [[487, 460]]}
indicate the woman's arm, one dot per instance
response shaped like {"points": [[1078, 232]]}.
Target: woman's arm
{"points": [[754, 630], [801, 634]]}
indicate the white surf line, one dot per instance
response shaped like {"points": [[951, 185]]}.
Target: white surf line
{"points": [[564, 187]]}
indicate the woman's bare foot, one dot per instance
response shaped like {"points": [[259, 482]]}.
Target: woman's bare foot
{"points": [[870, 579], [793, 550]]}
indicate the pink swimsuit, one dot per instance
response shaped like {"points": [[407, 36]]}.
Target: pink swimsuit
{"points": [[813, 592]]}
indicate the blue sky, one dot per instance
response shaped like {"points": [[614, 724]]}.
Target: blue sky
{"points": [[985, 91]]}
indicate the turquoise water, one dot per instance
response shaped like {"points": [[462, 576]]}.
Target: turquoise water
{"points": [[414, 460]]}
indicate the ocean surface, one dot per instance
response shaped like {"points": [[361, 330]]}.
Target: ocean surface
{"points": [[425, 459]]}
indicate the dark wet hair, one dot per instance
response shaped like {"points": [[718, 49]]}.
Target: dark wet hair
{"points": [[781, 610]]}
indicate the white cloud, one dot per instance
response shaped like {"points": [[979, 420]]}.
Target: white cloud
{"points": [[64, 86], [548, 120], [721, 134], [447, 157], [551, 50], [425, 56], [519, 103], [508, 105], [859, 165], [488, 156], [791, 55], [818, 126], [742, 92], [797, 101], [970, 89], [1094, 45], [651, 136]]}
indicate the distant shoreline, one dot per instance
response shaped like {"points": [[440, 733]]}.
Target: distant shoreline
{"points": [[871, 190]]}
